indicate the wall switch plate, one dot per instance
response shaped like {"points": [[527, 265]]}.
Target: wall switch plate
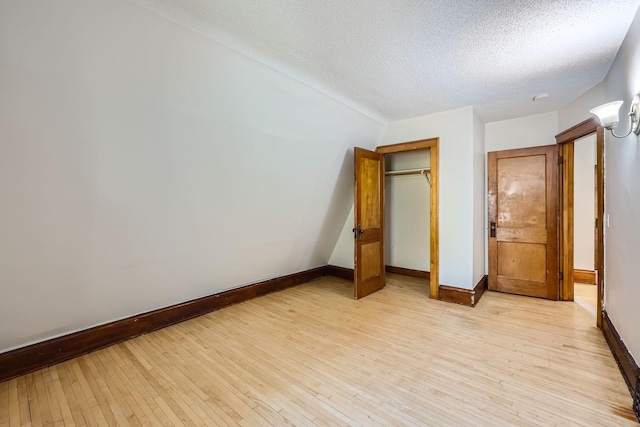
{"points": [[607, 219]]}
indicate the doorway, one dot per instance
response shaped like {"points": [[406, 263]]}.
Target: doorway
{"points": [[369, 208], [567, 141], [432, 145], [585, 223], [407, 204]]}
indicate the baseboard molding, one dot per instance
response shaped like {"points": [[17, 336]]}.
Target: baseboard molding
{"points": [[407, 272], [584, 276], [480, 288], [636, 400], [455, 295], [469, 297], [445, 293], [347, 273], [56, 350], [341, 272], [626, 363]]}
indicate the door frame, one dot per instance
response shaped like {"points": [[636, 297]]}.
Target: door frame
{"points": [[432, 145], [566, 141]]}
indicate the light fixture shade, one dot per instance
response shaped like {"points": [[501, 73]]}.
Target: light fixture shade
{"points": [[608, 113]]}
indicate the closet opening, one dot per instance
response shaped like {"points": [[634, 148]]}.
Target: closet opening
{"points": [[407, 214], [411, 233]]}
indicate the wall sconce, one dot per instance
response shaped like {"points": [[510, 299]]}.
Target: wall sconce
{"points": [[608, 115]]}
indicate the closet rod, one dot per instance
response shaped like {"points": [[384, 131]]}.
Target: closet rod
{"points": [[409, 172]]}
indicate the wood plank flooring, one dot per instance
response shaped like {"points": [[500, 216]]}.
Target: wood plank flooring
{"points": [[586, 296], [311, 355]]}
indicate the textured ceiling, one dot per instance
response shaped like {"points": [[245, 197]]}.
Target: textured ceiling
{"points": [[397, 59]]}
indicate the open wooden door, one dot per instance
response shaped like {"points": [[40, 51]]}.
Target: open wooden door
{"points": [[523, 221], [369, 222]]}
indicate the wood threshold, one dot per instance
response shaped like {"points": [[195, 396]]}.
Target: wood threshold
{"points": [[40, 355], [628, 366]]}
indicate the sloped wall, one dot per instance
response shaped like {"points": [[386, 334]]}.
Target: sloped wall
{"points": [[622, 189], [142, 165]]}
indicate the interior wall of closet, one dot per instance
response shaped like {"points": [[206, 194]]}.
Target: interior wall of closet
{"points": [[407, 210]]}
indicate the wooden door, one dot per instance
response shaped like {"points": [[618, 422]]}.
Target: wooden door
{"points": [[369, 222], [523, 221]]}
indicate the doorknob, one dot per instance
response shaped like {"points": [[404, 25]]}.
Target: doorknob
{"points": [[357, 234], [492, 230]]}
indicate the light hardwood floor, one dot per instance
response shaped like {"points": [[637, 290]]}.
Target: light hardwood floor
{"points": [[586, 296], [311, 355]]}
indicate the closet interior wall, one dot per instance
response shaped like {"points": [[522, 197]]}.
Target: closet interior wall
{"points": [[407, 209]]}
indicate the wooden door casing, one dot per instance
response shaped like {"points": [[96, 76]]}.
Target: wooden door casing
{"points": [[566, 141], [523, 221], [369, 271], [432, 145]]}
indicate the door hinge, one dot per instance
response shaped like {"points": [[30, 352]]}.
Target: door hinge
{"points": [[596, 222], [560, 160], [561, 276]]}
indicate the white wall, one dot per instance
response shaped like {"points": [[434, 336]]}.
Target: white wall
{"points": [[522, 132], [407, 221], [142, 165], [455, 130], [622, 189], [343, 252], [479, 198], [456, 179], [584, 203]]}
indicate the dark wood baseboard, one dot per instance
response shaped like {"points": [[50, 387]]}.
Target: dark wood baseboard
{"points": [[341, 272], [407, 272], [455, 295], [626, 363], [584, 276], [347, 273], [56, 350], [462, 296], [445, 293], [636, 400], [478, 291]]}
